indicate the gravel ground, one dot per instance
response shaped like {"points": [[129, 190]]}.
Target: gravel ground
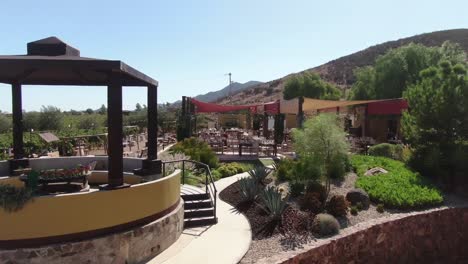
{"points": [[261, 248]]}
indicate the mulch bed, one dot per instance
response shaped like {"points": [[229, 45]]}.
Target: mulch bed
{"points": [[260, 222]]}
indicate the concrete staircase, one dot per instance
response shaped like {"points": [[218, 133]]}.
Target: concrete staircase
{"points": [[198, 207]]}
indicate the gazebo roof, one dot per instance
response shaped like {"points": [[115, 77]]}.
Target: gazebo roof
{"points": [[51, 61]]}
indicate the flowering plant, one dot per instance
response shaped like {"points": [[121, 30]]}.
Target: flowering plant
{"points": [[65, 173]]}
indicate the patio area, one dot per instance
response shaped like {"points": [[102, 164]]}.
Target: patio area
{"points": [[118, 203]]}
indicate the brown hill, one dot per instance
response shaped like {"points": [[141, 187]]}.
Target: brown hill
{"points": [[340, 71]]}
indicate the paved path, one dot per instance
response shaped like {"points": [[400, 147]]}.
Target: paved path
{"points": [[226, 242]]}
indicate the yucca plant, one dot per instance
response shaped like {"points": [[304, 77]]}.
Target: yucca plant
{"points": [[249, 188], [273, 202], [259, 173]]}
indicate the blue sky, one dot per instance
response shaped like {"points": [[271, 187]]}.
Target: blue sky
{"points": [[188, 46]]}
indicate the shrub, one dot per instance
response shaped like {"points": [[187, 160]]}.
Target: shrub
{"points": [[354, 210], [197, 150], [296, 189], [216, 174], [233, 168], [325, 225], [399, 188], [273, 201], [337, 206], [248, 188], [13, 199], [318, 188], [380, 208], [359, 206], [311, 202], [259, 173], [338, 167], [323, 143], [387, 150], [358, 196], [285, 170], [306, 169]]}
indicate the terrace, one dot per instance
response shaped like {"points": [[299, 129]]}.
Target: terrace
{"points": [[106, 203]]}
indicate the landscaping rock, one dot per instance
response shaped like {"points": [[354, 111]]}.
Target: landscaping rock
{"points": [[358, 196], [375, 171]]}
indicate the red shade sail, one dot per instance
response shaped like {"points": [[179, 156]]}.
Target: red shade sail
{"points": [[387, 107], [272, 108], [202, 107]]}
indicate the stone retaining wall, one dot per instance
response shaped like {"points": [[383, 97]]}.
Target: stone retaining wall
{"points": [[133, 246], [435, 236]]}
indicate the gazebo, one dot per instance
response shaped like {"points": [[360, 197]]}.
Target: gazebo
{"points": [[50, 61]]}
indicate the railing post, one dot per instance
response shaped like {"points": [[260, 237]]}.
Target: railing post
{"points": [[207, 172], [183, 172], [163, 170]]}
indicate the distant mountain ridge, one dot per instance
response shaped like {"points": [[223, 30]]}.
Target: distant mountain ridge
{"points": [[226, 91], [340, 71]]}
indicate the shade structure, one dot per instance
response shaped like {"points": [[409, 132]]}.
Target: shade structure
{"points": [[48, 137], [384, 106], [387, 107], [202, 107], [51, 61]]}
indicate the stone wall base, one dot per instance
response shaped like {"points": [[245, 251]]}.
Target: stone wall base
{"points": [[133, 246], [435, 236]]}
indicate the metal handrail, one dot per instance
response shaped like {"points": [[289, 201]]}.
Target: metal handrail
{"points": [[210, 187]]}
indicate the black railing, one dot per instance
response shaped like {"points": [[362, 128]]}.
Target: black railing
{"points": [[210, 187]]}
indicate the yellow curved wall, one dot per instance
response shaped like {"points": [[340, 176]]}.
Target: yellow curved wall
{"points": [[101, 177], [79, 212]]}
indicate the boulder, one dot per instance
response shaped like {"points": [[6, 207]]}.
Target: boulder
{"points": [[375, 171], [358, 196]]}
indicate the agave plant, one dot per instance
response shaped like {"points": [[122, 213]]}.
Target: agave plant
{"points": [[273, 201], [249, 188], [259, 173]]}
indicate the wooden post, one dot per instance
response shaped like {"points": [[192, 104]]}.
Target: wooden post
{"points": [[300, 112], [365, 127], [152, 122], [265, 124], [18, 145], [114, 124]]}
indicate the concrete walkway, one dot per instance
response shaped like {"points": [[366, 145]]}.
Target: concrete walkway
{"points": [[224, 243]]}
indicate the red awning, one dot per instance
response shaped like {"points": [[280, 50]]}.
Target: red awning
{"points": [[202, 107], [387, 107], [272, 108]]}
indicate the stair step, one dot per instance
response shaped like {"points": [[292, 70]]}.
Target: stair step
{"points": [[198, 204], [201, 221], [198, 196], [198, 213]]}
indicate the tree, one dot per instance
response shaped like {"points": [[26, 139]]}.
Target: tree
{"points": [[399, 68], [102, 110], [322, 144], [50, 118], [5, 123], [89, 111], [138, 107], [437, 123], [89, 122], [279, 128], [364, 87], [310, 85], [31, 120]]}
